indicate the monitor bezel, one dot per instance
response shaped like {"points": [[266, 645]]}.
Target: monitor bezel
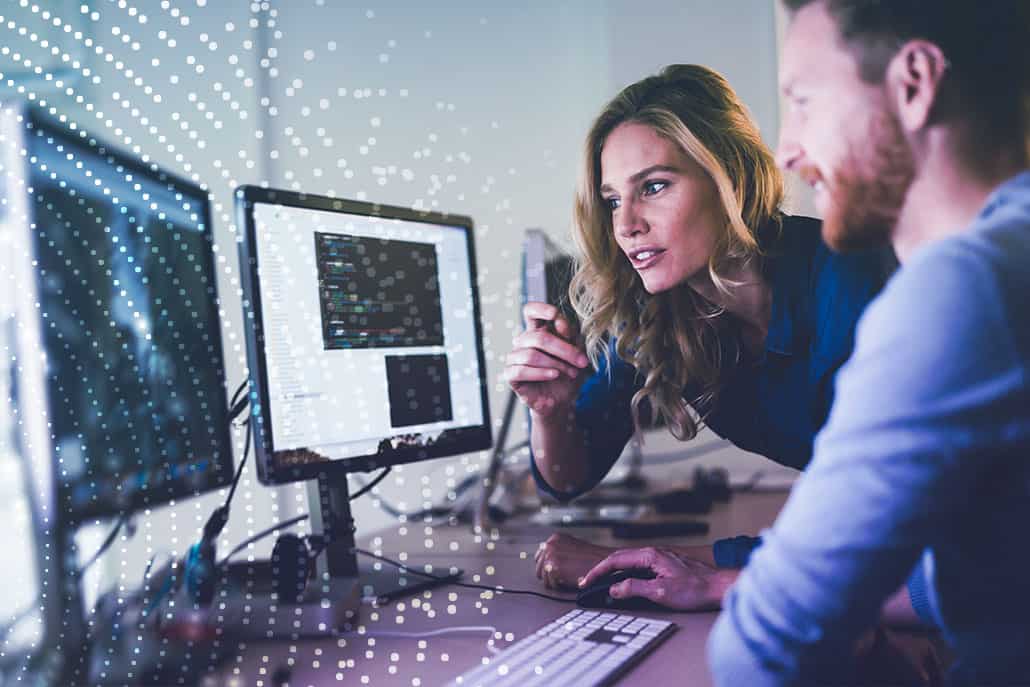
{"points": [[172, 488], [455, 441]]}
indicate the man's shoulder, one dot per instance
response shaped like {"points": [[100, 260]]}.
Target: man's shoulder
{"points": [[956, 291], [992, 255]]}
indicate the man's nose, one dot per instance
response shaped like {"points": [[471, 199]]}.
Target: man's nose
{"points": [[789, 151]]}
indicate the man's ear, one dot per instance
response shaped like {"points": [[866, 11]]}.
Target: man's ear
{"points": [[913, 81]]}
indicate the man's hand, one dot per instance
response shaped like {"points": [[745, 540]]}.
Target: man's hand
{"points": [[562, 559], [680, 583]]}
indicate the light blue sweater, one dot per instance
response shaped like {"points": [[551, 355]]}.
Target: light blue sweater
{"points": [[926, 455]]}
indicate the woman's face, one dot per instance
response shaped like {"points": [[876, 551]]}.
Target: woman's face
{"points": [[664, 207]]}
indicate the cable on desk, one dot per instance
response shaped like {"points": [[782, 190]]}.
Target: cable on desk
{"points": [[123, 520], [301, 518], [489, 588], [262, 534], [283, 524], [368, 487]]}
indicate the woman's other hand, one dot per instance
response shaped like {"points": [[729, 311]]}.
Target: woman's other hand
{"points": [[563, 559]]}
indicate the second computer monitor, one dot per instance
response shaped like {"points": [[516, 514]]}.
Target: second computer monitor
{"points": [[113, 289], [363, 334]]}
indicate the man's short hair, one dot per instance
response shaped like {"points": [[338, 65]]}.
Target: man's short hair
{"points": [[986, 43]]}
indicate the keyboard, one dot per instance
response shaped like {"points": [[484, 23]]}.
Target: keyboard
{"points": [[580, 648]]}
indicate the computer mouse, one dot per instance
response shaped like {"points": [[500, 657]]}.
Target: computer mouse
{"points": [[596, 595]]}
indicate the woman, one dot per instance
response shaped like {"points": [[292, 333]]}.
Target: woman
{"points": [[700, 301]]}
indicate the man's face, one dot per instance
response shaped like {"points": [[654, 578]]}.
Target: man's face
{"points": [[839, 135]]}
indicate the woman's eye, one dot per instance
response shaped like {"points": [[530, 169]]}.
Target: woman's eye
{"points": [[612, 203], [653, 187]]}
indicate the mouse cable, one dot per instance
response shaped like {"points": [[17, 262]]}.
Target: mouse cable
{"points": [[301, 518], [470, 585]]}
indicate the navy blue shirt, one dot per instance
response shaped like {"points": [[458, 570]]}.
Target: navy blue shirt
{"points": [[772, 404]]}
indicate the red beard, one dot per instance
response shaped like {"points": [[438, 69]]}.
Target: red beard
{"points": [[868, 189]]}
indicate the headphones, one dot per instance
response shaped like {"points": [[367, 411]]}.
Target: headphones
{"points": [[293, 557]]}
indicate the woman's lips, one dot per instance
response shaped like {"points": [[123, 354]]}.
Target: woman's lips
{"points": [[644, 259]]}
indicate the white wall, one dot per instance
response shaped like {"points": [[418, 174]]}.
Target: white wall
{"points": [[475, 108]]}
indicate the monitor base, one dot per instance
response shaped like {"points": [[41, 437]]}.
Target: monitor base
{"points": [[247, 607]]}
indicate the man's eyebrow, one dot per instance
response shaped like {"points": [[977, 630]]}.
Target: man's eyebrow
{"points": [[645, 172]]}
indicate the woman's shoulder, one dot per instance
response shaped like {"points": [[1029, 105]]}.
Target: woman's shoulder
{"points": [[828, 290], [866, 270], [808, 227]]}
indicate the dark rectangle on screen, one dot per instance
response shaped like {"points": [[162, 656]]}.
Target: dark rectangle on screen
{"points": [[377, 293], [419, 387]]}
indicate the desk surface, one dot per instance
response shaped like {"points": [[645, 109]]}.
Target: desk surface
{"points": [[503, 557]]}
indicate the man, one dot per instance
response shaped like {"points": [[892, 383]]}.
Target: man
{"points": [[909, 118]]}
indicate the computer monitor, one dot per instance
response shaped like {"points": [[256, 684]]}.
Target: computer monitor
{"points": [[134, 382], [364, 344], [114, 378], [363, 331], [22, 618]]}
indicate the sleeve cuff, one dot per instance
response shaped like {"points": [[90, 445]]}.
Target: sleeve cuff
{"points": [[735, 551], [920, 593]]}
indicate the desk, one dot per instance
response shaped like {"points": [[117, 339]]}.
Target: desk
{"points": [[503, 557]]}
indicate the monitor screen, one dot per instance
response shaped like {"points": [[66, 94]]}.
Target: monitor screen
{"points": [[547, 271], [125, 302], [21, 620], [364, 342]]}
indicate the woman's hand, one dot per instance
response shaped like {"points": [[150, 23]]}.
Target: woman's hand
{"points": [[683, 583], [562, 560], [545, 368]]}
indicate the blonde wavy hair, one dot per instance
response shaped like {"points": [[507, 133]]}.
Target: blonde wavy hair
{"points": [[673, 338]]}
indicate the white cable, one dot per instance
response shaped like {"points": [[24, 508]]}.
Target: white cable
{"points": [[433, 633]]}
